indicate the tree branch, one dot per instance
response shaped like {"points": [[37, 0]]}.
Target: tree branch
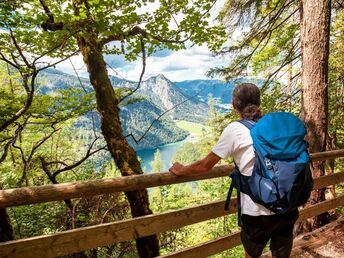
{"points": [[142, 72], [57, 62], [84, 89], [52, 179], [51, 50], [3, 58], [136, 31], [88, 154], [339, 3], [27, 104], [19, 50], [40, 142], [267, 33], [7, 146], [161, 115], [77, 75], [285, 62], [259, 28], [50, 24]]}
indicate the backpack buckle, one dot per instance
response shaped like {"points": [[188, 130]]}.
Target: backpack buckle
{"points": [[268, 163]]}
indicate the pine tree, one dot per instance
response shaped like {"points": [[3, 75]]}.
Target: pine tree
{"points": [[157, 164]]}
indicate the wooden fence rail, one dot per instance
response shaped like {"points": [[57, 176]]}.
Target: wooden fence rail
{"points": [[47, 193], [224, 243], [76, 240]]}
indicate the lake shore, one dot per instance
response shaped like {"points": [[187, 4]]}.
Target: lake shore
{"points": [[167, 151]]}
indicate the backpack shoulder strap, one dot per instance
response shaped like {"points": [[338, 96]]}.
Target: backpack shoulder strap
{"points": [[235, 175], [248, 123]]}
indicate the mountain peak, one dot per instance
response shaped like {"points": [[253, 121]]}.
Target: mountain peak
{"points": [[159, 77]]}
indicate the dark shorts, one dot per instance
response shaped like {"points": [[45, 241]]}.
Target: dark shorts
{"points": [[256, 231]]}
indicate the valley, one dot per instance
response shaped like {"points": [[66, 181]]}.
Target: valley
{"points": [[160, 110]]}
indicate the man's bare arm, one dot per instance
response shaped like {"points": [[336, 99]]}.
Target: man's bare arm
{"points": [[198, 167]]}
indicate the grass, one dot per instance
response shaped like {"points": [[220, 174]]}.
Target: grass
{"points": [[193, 128]]}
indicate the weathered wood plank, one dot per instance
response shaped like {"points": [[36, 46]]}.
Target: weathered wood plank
{"points": [[30, 195], [219, 245], [320, 208], [90, 237], [327, 155], [209, 248], [327, 180], [76, 240], [47, 193], [58, 192]]}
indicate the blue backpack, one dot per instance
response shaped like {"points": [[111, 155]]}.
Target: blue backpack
{"points": [[281, 179]]}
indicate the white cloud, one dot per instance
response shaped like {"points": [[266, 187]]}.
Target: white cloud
{"points": [[77, 62], [188, 64], [191, 63]]}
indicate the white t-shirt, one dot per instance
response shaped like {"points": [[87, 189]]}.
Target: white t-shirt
{"points": [[236, 141]]}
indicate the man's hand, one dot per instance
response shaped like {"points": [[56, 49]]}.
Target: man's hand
{"points": [[198, 167], [177, 169]]}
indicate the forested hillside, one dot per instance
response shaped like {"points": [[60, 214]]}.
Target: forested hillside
{"points": [[158, 102], [137, 116], [167, 96], [219, 90]]}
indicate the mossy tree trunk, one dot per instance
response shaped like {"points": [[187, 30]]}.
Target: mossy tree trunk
{"points": [[123, 154]]}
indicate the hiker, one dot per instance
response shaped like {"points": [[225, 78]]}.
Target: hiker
{"points": [[258, 223]]}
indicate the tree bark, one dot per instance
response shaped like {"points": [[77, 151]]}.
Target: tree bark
{"points": [[6, 230], [315, 30], [123, 154]]}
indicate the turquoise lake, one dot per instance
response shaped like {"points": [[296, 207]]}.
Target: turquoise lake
{"points": [[167, 151]]}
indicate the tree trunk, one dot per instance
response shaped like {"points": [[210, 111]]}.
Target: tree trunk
{"points": [[315, 30], [6, 230], [123, 154]]}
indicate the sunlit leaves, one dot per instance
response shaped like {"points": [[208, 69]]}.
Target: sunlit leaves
{"points": [[268, 36], [187, 154], [167, 23], [62, 105]]}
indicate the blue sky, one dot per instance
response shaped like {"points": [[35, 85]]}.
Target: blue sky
{"points": [[188, 64]]}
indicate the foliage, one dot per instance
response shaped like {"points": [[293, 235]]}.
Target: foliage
{"points": [[268, 39], [269, 47], [136, 120], [48, 130], [157, 164], [193, 128], [11, 96], [235, 252], [187, 154], [29, 17], [34, 29]]}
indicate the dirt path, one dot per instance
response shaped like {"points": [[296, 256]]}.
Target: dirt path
{"points": [[325, 242]]}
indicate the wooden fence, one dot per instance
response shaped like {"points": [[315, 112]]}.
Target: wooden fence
{"points": [[76, 240]]}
